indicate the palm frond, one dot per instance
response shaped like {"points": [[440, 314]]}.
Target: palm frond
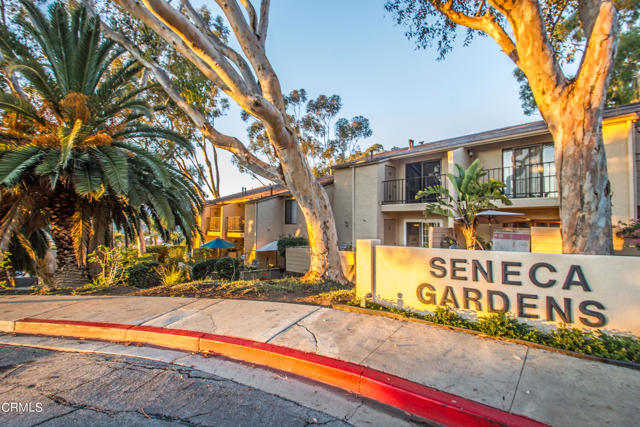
{"points": [[14, 164], [114, 167]]}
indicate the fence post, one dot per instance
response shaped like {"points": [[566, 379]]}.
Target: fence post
{"points": [[365, 266]]}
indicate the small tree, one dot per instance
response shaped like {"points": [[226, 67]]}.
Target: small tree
{"points": [[472, 195]]}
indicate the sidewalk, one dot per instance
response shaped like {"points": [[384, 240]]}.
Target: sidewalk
{"points": [[546, 386]]}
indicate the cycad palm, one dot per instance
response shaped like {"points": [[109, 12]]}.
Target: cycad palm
{"points": [[68, 138]]}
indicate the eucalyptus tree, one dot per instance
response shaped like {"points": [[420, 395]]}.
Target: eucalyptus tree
{"points": [[571, 106], [69, 141], [568, 38], [249, 79], [201, 164], [325, 140]]}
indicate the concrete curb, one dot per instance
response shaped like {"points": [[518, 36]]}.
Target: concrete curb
{"points": [[417, 399]]}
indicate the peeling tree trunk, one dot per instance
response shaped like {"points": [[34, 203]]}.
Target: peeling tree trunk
{"points": [[572, 109], [581, 167], [315, 205]]}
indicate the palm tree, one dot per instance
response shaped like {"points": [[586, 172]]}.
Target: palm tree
{"points": [[70, 140], [473, 193]]}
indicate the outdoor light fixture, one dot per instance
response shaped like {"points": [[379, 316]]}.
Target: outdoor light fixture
{"points": [[470, 152]]}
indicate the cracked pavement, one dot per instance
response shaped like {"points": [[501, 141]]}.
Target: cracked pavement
{"points": [[96, 389]]}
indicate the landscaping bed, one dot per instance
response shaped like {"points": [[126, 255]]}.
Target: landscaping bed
{"points": [[503, 326], [289, 289]]}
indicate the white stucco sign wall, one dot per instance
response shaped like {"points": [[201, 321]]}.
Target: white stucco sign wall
{"points": [[584, 291]]}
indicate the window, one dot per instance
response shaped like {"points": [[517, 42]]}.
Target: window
{"points": [[419, 176], [290, 212], [529, 171], [417, 233]]}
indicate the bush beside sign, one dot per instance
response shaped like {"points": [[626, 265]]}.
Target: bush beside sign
{"points": [[584, 291]]}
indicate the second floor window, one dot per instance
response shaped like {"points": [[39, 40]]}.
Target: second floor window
{"points": [[529, 171], [290, 212], [419, 176]]}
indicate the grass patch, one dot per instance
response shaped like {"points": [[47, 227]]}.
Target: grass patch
{"points": [[593, 343]]}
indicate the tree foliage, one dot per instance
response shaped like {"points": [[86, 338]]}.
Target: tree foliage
{"points": [[472, 194], [200, 164], [568, 39], [70, 135], [563, 27], [324, 139]]}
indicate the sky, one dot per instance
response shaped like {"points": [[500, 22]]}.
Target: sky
{"points": [[353, 48]]}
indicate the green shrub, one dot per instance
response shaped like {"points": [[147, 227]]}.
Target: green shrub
{"points": [[501, 325], [594, 343], [177, 253], [446, 316], [203, 254], [160, 251], [290, 242], [143, 275], [166, 254], [171, 275], [228, 268], [204, 269]]}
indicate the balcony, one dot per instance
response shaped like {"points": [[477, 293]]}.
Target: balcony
{"points": [[214, 224], [235, 224], [536, 180], [396, 191]]}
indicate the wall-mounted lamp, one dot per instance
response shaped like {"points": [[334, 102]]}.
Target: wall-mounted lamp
{"points": [[470, 152]]}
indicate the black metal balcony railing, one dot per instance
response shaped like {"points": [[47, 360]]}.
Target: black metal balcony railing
{"points": [[524, 181], [405, 190], [236, 224], [534, 180]]}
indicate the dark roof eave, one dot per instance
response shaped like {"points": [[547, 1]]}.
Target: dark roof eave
{"points": [[495, 135], [263, 192]]}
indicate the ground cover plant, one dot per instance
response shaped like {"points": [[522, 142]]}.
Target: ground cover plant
{"points": [[594, 343]]}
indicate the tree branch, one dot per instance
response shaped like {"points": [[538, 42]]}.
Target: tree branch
{"points": [[195, 46], [231, 54], [186, 38], [486, 23], [536, 57], [588, 11], [595, 69], [219, 140], [253, 18], [254, 51], [264, 22]]}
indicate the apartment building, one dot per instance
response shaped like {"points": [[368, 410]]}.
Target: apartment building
{"points": [[374, 197], [251, 219]]}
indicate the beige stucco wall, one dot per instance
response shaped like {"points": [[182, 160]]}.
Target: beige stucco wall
{"points": [[249, 230], [580, 285], [618, 144], [400, 164], [342, 204], [368, 189]]}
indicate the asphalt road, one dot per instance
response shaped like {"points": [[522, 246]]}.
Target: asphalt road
{"points": [[42, 387]]}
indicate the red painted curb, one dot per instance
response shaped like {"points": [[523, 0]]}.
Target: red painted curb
{"points": [[417, 399]]}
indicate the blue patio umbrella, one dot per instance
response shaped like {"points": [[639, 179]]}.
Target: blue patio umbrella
{"points": [[218, 244]]}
